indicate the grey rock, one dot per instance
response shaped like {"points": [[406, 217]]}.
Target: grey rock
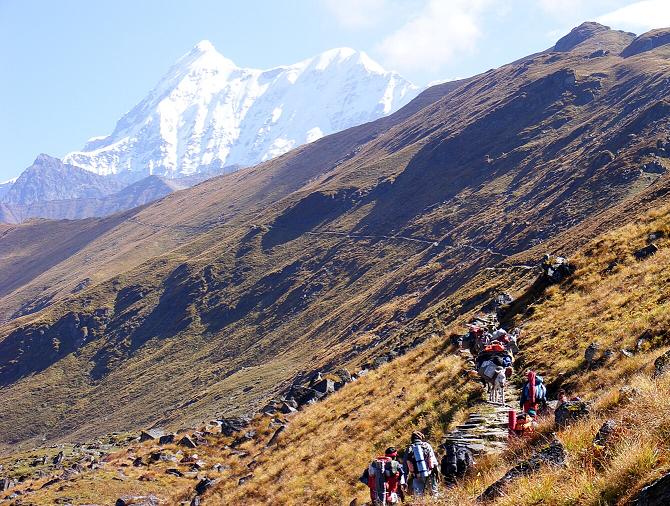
{"points": [[230, 426], [167, 439], [662, 364], [570, 411], [137, 500], [203, 485], [645, 252], [655, 494], [151, 434], [187, 442], [604, 435], [552, 455]]}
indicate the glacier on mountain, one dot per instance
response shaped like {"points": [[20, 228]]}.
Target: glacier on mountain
{"points": [[207, 114]]}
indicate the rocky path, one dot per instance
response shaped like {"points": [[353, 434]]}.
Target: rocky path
{"points": [[485, 430]]}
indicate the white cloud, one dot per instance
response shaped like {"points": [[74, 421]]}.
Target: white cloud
{"points": [[356, 14], [433, 37], [639, 16]]}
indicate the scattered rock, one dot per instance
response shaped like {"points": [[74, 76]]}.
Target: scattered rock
{"points": [[590, 353], [344, 375], [244, 479], [150, 435], [58, 459], [203, 485], [325, 386], [274, 437], [247, 436], [195, 501], [187, 442], [229, 426], [656, 493], [553, 455], [645, 252], [603, 437], [654, 236], [143, 500], [602, 159], [138, 462], [654, 167], [174, 472], [570, 411], [662, 364], [167, 439]]}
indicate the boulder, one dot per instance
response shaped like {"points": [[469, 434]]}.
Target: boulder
{"points": [[187, 442], [325, 386], [662, 364], [244, 479], [287, 409], [552, 455], [276, 434], [654, 236], [231, 425], [656, 493], [645, 252], [174, 472], [150, 435], [570, 411], [604, 434], [203, 485], [590, 353], [167, 439], [344, 375], [137, 500]]}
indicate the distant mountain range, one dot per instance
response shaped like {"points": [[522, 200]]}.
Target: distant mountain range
{"points": [[206, 117]]}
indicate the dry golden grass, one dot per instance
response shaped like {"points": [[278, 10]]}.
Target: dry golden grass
{"points": [[327, 446]]}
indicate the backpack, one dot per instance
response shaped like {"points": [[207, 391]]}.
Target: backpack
{"points": [[379, 472], [420, 459], [456, 462]]}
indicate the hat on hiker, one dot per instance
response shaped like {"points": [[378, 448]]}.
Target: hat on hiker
{"points": [[417, 436], [391, 452], [532, 412]]}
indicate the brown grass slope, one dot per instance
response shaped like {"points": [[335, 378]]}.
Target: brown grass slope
{"points": [[215, 297]]}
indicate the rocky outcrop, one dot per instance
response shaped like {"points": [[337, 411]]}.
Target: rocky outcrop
{"points": [[570, 411], [647, 42], [654, 494], [552, 455]]}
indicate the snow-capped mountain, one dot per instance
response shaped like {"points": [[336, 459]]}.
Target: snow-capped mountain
{"points": [[207, 113]]}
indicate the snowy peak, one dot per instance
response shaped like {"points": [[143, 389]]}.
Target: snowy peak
{"points": [[206, 113]]}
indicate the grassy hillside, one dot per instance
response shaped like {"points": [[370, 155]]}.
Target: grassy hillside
{"points": [[318, 457], [218, 297]]}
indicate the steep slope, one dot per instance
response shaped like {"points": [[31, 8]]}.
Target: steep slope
{"points": [[222, 294], [315, 456], [208, 113]]}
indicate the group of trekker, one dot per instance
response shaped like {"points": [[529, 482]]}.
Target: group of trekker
{"points": [[416, 469]]}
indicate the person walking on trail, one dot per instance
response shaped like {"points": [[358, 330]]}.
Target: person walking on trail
{"points": [[533, 394], [385, 477], [422, 465]]}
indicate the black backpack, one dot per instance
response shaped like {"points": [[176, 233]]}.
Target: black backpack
{"points": [[456, 462]]}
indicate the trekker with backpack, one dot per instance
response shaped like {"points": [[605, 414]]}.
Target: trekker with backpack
{"points": [[533, 393], [385, 477], [455, 463], [422, 464]]}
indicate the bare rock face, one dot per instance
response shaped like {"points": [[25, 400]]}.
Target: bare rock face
{"points": [[578, 35], [655, 493]]}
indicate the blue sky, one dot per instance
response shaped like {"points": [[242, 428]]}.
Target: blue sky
{"points": [[71, 68]]}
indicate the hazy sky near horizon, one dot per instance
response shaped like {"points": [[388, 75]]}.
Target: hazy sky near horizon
{"points": [[72, 68]]}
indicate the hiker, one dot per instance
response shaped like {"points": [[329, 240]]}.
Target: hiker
{"points": [[422, 464], [455, 463], [533, 393], [521, 424], [562, 397], [385, 477]]}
